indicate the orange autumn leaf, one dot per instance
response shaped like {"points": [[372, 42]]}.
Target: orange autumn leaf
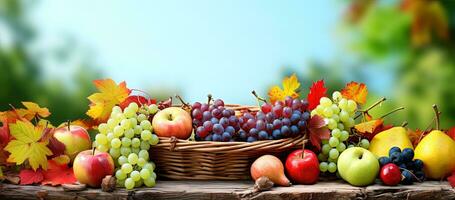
{"points": [[10, 116], [369, 126], [32, 110], [84, 123], [109, 95], [355, 91], [290, 84], [429, 19], [416, 135]]}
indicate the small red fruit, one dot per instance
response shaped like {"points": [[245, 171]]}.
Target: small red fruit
{"points": [[303, 166], [390, 174]]}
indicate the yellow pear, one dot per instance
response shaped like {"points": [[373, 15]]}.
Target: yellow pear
{"points": [[437, 151], [385, 140]]}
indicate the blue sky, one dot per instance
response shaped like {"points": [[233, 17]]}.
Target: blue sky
{"points": [[226, 48]]}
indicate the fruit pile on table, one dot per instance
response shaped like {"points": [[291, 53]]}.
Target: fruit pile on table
{"points": [[342, 139]]}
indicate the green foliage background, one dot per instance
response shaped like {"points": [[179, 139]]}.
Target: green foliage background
{"points": [[378, 43]]}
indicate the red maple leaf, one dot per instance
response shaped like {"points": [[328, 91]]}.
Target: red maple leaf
{"points": [[5, 137], [139, 100], [451, 179], [451, 133], [58, 174], [29, 176], [318, 131], [317, 91], [57, 147]]}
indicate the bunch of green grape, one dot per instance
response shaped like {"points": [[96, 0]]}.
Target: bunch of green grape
{"points": [[127, 136], [338, 114]]}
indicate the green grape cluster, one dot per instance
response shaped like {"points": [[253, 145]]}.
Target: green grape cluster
{"points": [[338, 114], [127, 137]]}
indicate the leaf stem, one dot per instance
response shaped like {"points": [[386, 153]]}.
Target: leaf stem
{"points": [[391, 112], [404, 124], [370, 107]]}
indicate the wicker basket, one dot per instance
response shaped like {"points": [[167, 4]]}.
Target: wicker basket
{"points": [[204, 160]]}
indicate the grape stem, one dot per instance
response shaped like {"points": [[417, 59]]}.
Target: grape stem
{"points": [[258, 97], [411, 174], [391, 112], [209, 96], [181, 100], [437, 113], [370, 107]]}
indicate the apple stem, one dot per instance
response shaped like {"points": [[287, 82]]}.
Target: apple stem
{"points": [[93, 151], [370, 107], [437, 113], [209, 97], [391, 112], [258, 97], [305, 140], [68, 123]]}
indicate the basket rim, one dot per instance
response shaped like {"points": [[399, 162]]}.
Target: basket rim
{"points": [[174, 144]]}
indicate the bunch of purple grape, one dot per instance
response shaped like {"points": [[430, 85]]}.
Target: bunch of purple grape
{"points": [[282, 119], [214, 122]]}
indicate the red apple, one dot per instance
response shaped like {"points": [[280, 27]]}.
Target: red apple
{"points": [[91, 166], [75, 139], [172, 121], [302, 169]]}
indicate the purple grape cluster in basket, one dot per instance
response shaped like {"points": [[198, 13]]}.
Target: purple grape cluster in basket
{"points": [[282, 119]]}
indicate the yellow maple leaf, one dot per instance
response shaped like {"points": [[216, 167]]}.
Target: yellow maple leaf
{"points": [[290, 86], [27, 145], [43, 123], [355, 91], [32, 110], [110, 95], [369, 126]]}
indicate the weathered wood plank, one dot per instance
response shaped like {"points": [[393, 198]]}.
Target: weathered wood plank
{"points": [[207, 190]]}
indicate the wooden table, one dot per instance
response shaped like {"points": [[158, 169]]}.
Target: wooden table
{"points": [[238, 190]]}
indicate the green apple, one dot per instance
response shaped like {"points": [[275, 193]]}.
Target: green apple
{"points": [[358, 166]]}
